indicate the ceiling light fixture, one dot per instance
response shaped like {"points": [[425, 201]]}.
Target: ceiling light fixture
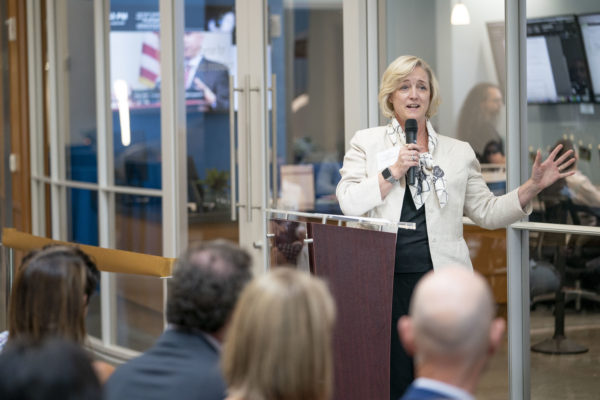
{"points": [[460, 14]]}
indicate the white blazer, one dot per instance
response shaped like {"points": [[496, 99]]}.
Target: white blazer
{"points": [[359, 195]]}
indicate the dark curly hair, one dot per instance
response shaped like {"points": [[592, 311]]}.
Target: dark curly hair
{"points": [[206, 282]]}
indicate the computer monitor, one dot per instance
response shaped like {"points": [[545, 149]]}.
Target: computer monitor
{"points": [[557, 69], [590, 30]]}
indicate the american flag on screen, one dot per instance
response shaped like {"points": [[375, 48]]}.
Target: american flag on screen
{"points": [[150, 63]]}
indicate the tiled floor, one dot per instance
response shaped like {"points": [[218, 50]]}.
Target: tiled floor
{"points": [[553, 376]]}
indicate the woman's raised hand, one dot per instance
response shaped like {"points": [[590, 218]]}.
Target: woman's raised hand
{"points": [[544, 174]]}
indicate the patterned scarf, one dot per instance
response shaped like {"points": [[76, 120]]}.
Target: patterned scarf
{"points": [[428, 175]]}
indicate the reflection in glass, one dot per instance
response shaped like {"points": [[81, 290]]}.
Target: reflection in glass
{"points": [[478, 122], [287, 245], [565, 317], [565, 288], [83, 216], [135, 87], [138, 227], [93, 322], [80, 81], [139, 319], [209, 58], [307, 62]]}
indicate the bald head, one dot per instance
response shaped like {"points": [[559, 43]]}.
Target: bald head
{"points": [[451, 312]]}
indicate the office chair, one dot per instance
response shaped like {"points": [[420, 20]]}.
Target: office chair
{"points": [[556, 209]]}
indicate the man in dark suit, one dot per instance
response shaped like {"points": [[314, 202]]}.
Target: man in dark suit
{"points": [[452, 333], [184, 362], [206, 81]]}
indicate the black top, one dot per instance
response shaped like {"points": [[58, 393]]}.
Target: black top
{"points": [[412, 247]]}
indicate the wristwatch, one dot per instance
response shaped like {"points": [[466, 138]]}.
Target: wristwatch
{"points": [[387, 175]]}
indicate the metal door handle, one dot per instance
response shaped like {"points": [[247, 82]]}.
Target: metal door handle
{"points": [[274, 171], [232, 150]]}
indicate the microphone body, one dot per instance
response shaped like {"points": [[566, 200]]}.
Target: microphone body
{"points": [[410, 128]]}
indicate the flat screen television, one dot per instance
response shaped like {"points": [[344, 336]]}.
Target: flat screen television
{"points": [[209, 56], [590, 30], [557, 70]]}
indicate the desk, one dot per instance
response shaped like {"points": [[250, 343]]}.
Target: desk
{"points": [[488, 255]]}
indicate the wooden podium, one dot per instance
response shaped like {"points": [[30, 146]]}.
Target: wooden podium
{"points": [[358, 264]]}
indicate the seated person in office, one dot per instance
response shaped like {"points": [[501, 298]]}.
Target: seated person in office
{"points": [[586, 197], [47, 370], [50, 296], [452, 333], [184, 362], [279, 344], [581, 190], [493, 153], [478, 117]]}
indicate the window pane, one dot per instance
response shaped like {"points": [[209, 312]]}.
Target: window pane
{"points": [[306, 57], [80, 82], [564, 322], [138, 228], [564, 270], [209, 58], [83, 228], [83, 216], [135, 85]]}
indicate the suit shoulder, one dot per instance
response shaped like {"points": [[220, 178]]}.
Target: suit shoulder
{"points": [[369, 135], [453, 144], [210, 65]]}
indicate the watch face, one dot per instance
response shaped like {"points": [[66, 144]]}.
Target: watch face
{"points": [[387, 175]]}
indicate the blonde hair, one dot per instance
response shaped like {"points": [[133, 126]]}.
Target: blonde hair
{"points": [[278, 345], [396, 72]]}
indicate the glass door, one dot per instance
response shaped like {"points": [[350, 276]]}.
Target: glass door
{"points": [[209, 61], [307, 110], [290, 125]]}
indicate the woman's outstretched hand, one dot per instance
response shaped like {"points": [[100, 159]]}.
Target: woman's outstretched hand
{"points": [[544, 174]]}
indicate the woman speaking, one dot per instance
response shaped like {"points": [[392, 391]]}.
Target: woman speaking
{"points": [[447, 185]]}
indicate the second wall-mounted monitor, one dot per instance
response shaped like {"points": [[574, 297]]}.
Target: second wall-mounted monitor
{"points": [[557, 70], [590, 30]]}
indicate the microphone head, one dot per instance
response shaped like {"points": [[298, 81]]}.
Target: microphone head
{"points": [[410, 128], [410, 125]]}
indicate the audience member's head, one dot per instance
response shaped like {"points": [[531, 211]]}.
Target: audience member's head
{"points": [[50, 294], [47, 370], [451, 330], [279, 342], [205, 286], [493, 153]]}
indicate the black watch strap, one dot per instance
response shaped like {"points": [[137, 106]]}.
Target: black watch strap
{"points": [[387, 175]]}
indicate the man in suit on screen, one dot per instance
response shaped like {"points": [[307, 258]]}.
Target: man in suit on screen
{"points": [[206, 81], [184, 362], [452, 333]]}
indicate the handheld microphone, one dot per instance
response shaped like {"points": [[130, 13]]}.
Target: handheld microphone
{"points": [[410, 128]]}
